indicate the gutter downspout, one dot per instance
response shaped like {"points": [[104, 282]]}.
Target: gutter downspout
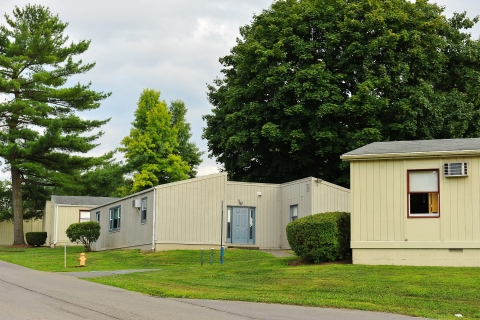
{"points": [[154, 217], [56, 225]]}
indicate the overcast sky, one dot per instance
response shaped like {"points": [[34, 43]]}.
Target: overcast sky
{"points": [[170, 46]]}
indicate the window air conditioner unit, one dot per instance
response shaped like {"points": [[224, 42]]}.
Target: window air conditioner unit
{"points": [[136, 204], [455, 169]]}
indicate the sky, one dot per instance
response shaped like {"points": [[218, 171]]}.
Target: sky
{"points": [[172, 46]]}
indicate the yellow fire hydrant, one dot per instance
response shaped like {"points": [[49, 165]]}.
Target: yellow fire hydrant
{"points": [[82, 259]]}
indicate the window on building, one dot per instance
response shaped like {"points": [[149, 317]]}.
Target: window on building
{"points": [[115, 218], [294, 212], [423, 193], [143, 210], [97, 216], [84, 216], [229, 224]]}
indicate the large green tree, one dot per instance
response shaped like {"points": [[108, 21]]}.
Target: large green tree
{"points": [[311, 79], [157, 143], [42, 138], [185, 149], [105, 180]]}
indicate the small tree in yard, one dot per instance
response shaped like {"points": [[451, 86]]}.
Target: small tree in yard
{"points": [[84, 232]]}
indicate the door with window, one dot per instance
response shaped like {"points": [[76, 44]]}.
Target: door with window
{"points": [[241, 225]]}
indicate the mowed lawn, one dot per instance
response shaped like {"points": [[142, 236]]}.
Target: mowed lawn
{"points": [[434, 292]]}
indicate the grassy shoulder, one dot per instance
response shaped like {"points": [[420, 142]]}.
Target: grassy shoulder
{"points": [[433, 292]]}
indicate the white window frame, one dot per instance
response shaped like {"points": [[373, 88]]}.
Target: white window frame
{"points": [[293, 212], [143, 210], [112, 221], [428, 188], [97, 216], [84, 218]]}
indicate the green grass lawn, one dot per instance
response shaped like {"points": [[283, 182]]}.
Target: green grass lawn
{"points": [[434, 292]]}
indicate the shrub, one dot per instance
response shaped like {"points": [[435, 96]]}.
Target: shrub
{"points": [[84, 232], [321, 237], [36, 239]]}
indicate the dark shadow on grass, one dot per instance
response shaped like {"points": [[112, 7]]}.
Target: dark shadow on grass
{"points": [[301, 262]]}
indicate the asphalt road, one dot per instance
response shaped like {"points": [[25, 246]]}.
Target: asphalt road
{"points": [[31, 294]]}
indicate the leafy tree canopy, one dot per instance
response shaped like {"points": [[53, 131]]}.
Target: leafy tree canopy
{"points": [[312, 79], [42, 138], [185, 149], [158, 150], [106, 180]]}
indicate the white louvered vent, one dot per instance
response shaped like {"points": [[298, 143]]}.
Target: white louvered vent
{"points": [[135, 203], [455, 169]]}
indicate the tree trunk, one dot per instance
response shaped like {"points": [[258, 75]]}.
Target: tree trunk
{"points": [[18, 237]]}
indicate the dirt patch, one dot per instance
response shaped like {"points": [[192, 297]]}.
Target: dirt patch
{"points": [[23, 246]]}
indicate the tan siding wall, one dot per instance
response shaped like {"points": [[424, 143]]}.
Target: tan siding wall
{"points": [[328, 197], [189, 212], [66, 216], [312, 197], [132, 233], [6, 230], [295, 193], [379, 205], [268, 220]]}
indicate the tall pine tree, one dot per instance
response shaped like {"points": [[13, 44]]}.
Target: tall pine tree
{"points": [[40, 129]]}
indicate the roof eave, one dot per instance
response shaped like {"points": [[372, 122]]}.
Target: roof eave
{"points": [[432, 154]]}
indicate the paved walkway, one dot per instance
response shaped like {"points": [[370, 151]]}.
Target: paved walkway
{"points": [[279, 253]]}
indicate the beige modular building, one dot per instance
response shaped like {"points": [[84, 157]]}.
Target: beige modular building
{"points": [[209, 211], [416, 202], [61, 211]]}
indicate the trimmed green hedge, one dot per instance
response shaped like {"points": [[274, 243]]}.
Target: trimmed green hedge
{"points": [[321, 237], [36, 239]]}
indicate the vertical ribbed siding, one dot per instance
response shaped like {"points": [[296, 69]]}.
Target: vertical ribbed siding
{"points": [[328, 197], [268, 218], [189, 212], [6, 230], [66, 216], [295, 193], [312, 196], [379, 202]]}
